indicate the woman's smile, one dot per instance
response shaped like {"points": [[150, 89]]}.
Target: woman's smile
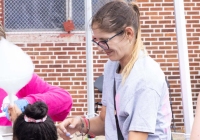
{"points": [[108, 52]]}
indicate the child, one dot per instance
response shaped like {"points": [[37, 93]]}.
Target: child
{"points": [[34, 124]]}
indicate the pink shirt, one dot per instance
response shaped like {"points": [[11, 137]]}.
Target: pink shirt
{"points": [[58, 100]]}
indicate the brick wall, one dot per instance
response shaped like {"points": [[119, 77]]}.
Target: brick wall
{"points": [[61, 58], [159, 35]]}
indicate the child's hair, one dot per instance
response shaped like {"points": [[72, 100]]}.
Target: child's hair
{"points": [[35, 124]]}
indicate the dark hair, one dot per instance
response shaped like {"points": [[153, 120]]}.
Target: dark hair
{"points": [[116, 16], [46, 130]]}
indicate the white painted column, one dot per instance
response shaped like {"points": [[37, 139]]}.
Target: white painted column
{"points": [[184, 66], [89, 59]]}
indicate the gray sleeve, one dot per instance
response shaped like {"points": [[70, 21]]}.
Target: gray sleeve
{"points": [[103, 100], [142, 111], [109, 71]]}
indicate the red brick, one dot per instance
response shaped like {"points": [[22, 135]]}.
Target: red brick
{"points": [[55, 66], [33, 45], [156, 9], [74, 44], [75, 61], [33, 53], [196, 17], [35, 62], [54, 74], [74, 53], [156, 17], [54, 49], [81, 48], [195, 8], [144, 18], [172, 52], [147, 4], [169, 17], [156, 0], [142, 0], [187, 8], [192, 21], [68, 48], [156, 26], [53, 57], [191, 4], [151, 13], [78, 113], [20, 45], [50, 79], [144, 26], [151, 39], [143, 35], [48, 70], [46, 53], [64, 57], [47, 62], [157, 43], [41, 66], [60, 44], [196, 25], [193, 13], [168, 4], [170, 26], [46, 44], [168, 8], [164, 39], [144, 9], [147, 30], [164, 22], [59, 53], [40, 49]]}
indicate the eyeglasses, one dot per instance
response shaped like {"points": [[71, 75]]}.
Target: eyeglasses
{"points": [[104, 43]]}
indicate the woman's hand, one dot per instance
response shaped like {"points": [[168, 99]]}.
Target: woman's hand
{"points": [[69, 126], [13, 112]]}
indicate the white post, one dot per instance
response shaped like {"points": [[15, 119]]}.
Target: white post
{"points": [[184, 66], [89, 59], [69, 10]]}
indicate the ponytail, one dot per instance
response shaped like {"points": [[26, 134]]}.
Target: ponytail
{"points": [[138, 44]]}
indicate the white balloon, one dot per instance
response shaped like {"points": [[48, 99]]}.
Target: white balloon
{"points": [[16, 68]]}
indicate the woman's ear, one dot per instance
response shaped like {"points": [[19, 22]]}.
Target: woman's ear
{"points": [[130, 33]]}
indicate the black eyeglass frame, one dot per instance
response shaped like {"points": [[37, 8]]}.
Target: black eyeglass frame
{"points": [[106, 41]]}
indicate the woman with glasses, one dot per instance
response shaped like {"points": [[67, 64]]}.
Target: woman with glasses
{"points": [[135, 96]]}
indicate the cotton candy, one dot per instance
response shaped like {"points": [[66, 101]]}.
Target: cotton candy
{"points": [[16, 68]]}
